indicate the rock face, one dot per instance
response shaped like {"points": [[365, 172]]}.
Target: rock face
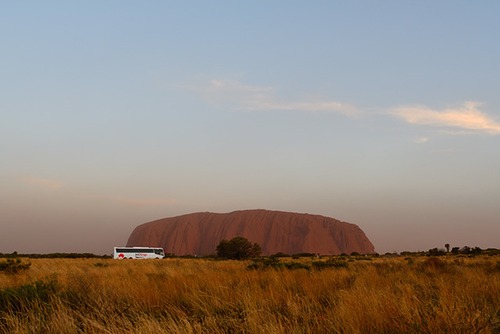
{"points": [[275, 231]]}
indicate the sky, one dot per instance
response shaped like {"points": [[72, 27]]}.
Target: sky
{"points": [[383, 114]]}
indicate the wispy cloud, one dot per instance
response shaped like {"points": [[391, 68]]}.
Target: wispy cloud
{"points": [[467, 117], [43, 183], [239, 96], [236, 95]]}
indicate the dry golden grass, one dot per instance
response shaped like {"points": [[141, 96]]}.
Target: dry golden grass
{"points": [[384, 295]]}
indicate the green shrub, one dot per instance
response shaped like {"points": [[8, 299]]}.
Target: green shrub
{"points": [[332, 263], [13, 266], [22, 298], [275, 263], [296, 265]]}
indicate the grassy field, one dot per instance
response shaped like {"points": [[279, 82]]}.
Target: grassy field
{"points": [[446, 294]]}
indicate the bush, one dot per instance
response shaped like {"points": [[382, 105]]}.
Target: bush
{"points": [[331, 263], [436, 252], [263, 263], [275, 263], [298, 255], [21, 299], [296, 265], [238, 248], [13, 266], [280, 254]]}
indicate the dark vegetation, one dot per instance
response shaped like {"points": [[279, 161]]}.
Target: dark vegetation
{"points": [[466, 250], [273, 262], [22, 299], [55, 256], [238, 248], [13, 266]]}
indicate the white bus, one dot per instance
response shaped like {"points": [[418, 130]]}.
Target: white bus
{"points": [[138, 253]]}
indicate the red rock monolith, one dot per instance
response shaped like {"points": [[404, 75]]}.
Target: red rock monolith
{"points": [[275, 231]]}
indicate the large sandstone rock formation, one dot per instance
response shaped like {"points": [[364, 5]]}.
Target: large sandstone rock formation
{"points": [[275, 231]]}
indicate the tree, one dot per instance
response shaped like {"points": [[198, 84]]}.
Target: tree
{"points": [[238, 248], [465, 250], [447, 248], [436, 252]]}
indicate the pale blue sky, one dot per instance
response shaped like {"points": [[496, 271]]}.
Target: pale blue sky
{"points": [[114, 113]]}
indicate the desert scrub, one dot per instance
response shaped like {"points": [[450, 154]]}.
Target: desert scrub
{"points": [[385, 295], [330, 263], [22, 298], [274, 262], [13, 266]]}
